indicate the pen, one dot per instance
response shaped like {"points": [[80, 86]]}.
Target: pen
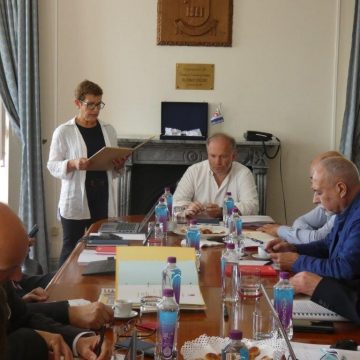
{"points": [[99, 344], [255, 240]]}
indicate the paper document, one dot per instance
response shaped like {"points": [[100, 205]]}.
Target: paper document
{"points": [[248, 219], [87, 256], [315, 351], [139, 268], [253, 262], [257, 237], [103, 159], [307, 309]]}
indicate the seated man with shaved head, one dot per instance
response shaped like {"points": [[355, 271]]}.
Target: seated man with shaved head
{"points": [[32, 335], [336, 186]]}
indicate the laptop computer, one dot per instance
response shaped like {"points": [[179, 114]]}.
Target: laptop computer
{"points": [[124, 227]]}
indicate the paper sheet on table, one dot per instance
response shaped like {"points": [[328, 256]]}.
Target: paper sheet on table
{"points": [[87, 256], [253, 262], [204, 243], [248, 219], [257, 235], [314, 351]]}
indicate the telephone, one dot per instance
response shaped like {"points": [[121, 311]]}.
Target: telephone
{"points": [[252, 135]]}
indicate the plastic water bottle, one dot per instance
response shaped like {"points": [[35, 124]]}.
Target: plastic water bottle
{"points": [[159, 233], [236, 349], [169, 200], [283, 293], [227, 207], [171, 278], [235, 231], [230, 274], [193, 240], [167, 316], [162, 213]]}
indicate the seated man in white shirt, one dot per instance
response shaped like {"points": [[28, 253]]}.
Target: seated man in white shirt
{"points": [[204, 185]]}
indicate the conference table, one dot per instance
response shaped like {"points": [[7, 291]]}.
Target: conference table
{"points": [[68, 283]]}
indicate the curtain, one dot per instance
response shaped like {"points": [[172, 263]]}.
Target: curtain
{"points": [[350, 135], [19, 90]]}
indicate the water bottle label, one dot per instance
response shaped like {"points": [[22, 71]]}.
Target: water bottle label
{"points": [[238, 227], [162, 220], [176, 283], [193, 238], [167, 328], [283, 304]]}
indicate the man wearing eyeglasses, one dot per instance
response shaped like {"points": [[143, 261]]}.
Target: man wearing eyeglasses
{"points": [[86, 196]]}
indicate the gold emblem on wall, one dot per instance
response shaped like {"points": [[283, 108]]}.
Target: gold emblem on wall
{"points": [[195, 76], [195, 22]]}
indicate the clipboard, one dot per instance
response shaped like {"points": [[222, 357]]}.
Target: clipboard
{"points": [[103, 159]]}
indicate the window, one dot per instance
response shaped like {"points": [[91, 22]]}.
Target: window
{"points": [[4, 154], [2, 135]]}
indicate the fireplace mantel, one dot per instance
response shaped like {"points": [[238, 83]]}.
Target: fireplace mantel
{"points": [[188, 152]]}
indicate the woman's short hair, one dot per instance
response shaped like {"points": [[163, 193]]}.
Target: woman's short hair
{"points": [[87, 87]]}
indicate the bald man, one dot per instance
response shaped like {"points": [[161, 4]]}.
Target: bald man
{"points": [[203, 187], [336, 186], [312, 226], [36, 333]]}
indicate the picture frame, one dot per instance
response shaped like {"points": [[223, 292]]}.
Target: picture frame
{"points": [[195, 22]]}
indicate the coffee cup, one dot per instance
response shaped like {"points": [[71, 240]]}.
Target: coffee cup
{"points": [[262, 253], [122, 308]]}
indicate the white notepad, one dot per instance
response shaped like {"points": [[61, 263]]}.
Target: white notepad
{"points": [[307, 309]]}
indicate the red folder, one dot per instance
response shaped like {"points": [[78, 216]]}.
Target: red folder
{"points": [[106, 250], [265, 270]]}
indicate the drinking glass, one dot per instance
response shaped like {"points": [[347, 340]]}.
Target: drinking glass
{"points": [[250, 281], [179, 216], [263, 325]]}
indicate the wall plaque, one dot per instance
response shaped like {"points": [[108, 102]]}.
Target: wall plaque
{"points": [[195, 22], [195, 76]]}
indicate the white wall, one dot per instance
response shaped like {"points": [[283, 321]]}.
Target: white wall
{"points": [[285, 74]]}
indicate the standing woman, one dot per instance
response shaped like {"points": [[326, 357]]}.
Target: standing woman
{"points": [[86, 196]]}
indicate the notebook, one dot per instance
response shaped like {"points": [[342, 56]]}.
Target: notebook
{"points": [[307, 309]]}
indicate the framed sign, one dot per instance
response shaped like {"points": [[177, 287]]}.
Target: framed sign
{"points": [[195, 22]]}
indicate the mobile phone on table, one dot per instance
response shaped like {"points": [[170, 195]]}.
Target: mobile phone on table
{"points": [[33, 231], [303, 325]]}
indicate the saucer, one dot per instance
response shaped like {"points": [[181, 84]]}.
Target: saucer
{"points": [[259, 257], [130, 316]]}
